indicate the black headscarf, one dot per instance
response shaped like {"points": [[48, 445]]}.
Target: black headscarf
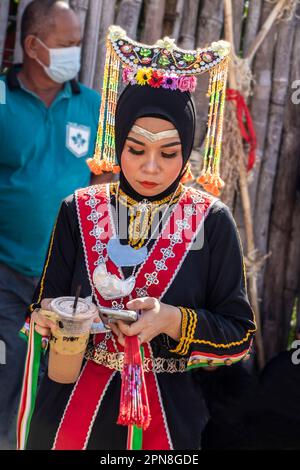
{"points": [[172, 105]]}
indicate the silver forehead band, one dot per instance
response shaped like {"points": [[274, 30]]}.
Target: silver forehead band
{"points": [[155, 137]]}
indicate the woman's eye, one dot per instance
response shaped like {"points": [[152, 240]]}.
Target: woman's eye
{"points": [[169, 155], [135, 152]]}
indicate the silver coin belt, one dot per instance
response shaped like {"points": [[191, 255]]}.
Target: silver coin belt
{"points": [[115, 360]]}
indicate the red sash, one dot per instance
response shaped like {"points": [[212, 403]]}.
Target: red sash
{"points": [[153, 279]]}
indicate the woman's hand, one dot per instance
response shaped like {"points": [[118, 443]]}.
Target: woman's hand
{"points": [[43, 325], [156, 317]]}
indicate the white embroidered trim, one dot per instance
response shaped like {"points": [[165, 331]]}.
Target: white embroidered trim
{"points": [[97, 247]]}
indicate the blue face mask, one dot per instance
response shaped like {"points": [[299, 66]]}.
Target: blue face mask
{"points": [[64, 63]]}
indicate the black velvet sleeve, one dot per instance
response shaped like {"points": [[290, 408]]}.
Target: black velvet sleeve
{"points": [[59, 265], [221, 332]]}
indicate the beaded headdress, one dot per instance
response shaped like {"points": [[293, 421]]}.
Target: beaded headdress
{"points": [[162, 65]]}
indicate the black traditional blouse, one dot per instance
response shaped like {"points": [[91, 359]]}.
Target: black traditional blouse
{"points": [[217, 321]]}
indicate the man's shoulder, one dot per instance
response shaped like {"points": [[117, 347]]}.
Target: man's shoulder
{"points": [[88, 93]]}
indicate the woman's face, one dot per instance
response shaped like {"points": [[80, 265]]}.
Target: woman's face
{"points": [[151, 167]]}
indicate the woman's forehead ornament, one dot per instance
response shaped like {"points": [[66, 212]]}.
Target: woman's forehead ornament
{"points": [[155, 137], [162, 65]]}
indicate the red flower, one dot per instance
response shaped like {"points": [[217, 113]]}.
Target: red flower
{"points": [[156, 79]]}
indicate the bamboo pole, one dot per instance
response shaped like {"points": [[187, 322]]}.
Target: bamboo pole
{"points": [[292, 276], [260, 101], [259, 108], [107, 18], [128, 16], [4, 10], [18, 53], [298, 313], [265, 29], [81, 8], [267, 177], [245, 197], [281, 238], [252, 24], [189, 24], [209, 27], [238, 12], [154, 16], [90, 48], [178, 19]]}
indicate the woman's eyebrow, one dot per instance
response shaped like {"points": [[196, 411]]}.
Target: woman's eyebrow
{"points": [[171, 144], [135, 141]]}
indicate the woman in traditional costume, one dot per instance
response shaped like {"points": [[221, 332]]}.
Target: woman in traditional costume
{"points": [[179, 263]]}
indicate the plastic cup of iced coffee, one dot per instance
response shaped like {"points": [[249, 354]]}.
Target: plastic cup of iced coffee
{"points": [[70, 338]]}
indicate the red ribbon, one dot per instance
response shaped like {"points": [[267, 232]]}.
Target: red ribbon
{"points": [[247, 128]]}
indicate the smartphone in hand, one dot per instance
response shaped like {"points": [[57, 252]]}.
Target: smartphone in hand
{"points": [[113, 315]]}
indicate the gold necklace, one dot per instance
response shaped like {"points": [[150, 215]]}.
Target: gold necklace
{"points": [[128, 201], [141, 214]]}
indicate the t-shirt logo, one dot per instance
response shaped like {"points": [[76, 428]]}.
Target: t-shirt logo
{"points": [[78, 139]]}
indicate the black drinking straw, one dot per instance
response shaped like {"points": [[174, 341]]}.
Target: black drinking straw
{"points": [[78, 290]]}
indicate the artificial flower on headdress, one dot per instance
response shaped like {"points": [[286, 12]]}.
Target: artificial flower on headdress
{"points": [[156, 79], [143, 76], [163, 65], [170, 81]]}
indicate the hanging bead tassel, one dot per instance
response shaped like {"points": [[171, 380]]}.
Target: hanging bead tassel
{"points": [[134, 405], [210, 177], [104, 156], [188, 175]]}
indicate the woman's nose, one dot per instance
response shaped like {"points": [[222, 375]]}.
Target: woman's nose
{"points": [[151, 164]]}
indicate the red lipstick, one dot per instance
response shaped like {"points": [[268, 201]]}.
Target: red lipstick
{"points": [[148, 184]]}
